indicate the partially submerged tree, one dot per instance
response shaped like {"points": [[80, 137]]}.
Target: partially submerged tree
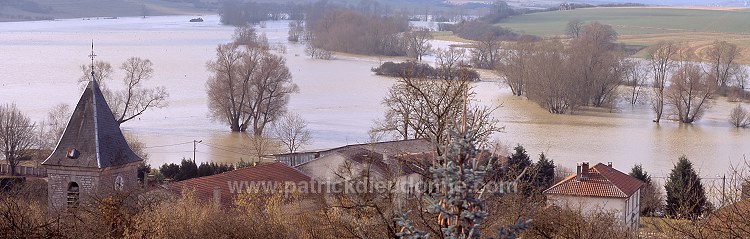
{"points": [[739, 117], [485, 51], [249, 86], [516, 66], [17, 138], [723, 61], [417, 42], [661, 57], [597, 66], [636, 76], [689, 94]]}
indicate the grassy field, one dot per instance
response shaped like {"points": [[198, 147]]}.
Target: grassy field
{"points": [[644, 26], [56, 9]]}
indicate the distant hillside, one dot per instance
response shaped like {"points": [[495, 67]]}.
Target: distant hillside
{"points": [[643, 26], [18, 10]]}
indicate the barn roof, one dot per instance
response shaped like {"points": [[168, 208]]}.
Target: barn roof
{"points": [[240, 180], [92, 138]]}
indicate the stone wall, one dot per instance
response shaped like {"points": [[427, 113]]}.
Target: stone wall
{"points": [[58, 181]]}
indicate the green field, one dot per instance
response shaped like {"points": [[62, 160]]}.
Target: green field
{"points": [[697, 28]]}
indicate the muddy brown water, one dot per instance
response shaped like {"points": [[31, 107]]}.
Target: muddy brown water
{"points": [[340, 98]]}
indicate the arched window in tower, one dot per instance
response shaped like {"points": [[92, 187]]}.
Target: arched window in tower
{"points": [[119, 183], [73, 194]]}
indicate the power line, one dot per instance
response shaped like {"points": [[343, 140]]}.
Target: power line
{"points": [[223, 149], [166, 145]]}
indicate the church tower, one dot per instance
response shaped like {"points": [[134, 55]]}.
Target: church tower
{"points": [[92, 158]]}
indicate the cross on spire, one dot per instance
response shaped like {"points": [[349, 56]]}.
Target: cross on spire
{"points": [[92, 56]]}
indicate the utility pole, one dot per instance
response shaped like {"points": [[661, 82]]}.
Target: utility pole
{"points": [[195, 142]]}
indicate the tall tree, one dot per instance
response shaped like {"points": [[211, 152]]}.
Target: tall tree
{"points": [[517, 162], [249, 87], [516, 66], [418, 42], [573, 28], [598, 67], [17, 137], [430, 109], [545, 173], [661, 57], [485, 51], [135, 98], [690, 92], [686, 197], [722, 56]]}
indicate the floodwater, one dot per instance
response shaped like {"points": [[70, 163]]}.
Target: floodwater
{"points": [[39, 68]]}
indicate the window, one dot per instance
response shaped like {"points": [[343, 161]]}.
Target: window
{"points": [[119, 183], [73, 194]]}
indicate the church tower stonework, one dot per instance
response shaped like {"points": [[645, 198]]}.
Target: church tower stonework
{"points": [[92, 158]]}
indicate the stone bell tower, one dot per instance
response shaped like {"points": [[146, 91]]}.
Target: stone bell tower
{"points": [[92, 158]]}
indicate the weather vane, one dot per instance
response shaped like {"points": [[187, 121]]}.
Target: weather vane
{"points": [[92, 56]]}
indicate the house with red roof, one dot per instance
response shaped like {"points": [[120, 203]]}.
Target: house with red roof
{"points": [[600, 187], [222, 189]]}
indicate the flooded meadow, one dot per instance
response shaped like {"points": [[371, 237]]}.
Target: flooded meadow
{"points": [[39, 68]]}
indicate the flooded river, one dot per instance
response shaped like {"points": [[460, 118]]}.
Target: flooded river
{"points": [[39, 68]]}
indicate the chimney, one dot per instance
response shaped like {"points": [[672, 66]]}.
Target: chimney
{"points": [[609, 166], [578, 171], [585, 169], [217, 197]]}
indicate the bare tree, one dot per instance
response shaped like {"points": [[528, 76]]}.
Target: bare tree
{"points": [[292, 131], [689, 94], [317, 53], [486, 51], [723, 56], [597, 66], [249, 86], [17, 137], [449, 61], [262, 145], [551, 83], [228, 95], [515, 66], [739, 117], [102, 72], [636, 75], [52, 128], [296, 31], [573, 29], [430, 109], [661, 58], [418, 42], [135, 98]]}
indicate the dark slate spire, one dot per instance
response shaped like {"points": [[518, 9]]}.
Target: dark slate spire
{"points": [[92, 138]]}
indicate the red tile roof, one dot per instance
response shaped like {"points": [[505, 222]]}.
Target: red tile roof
{"points": [[602, 181], [228, 182]]}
